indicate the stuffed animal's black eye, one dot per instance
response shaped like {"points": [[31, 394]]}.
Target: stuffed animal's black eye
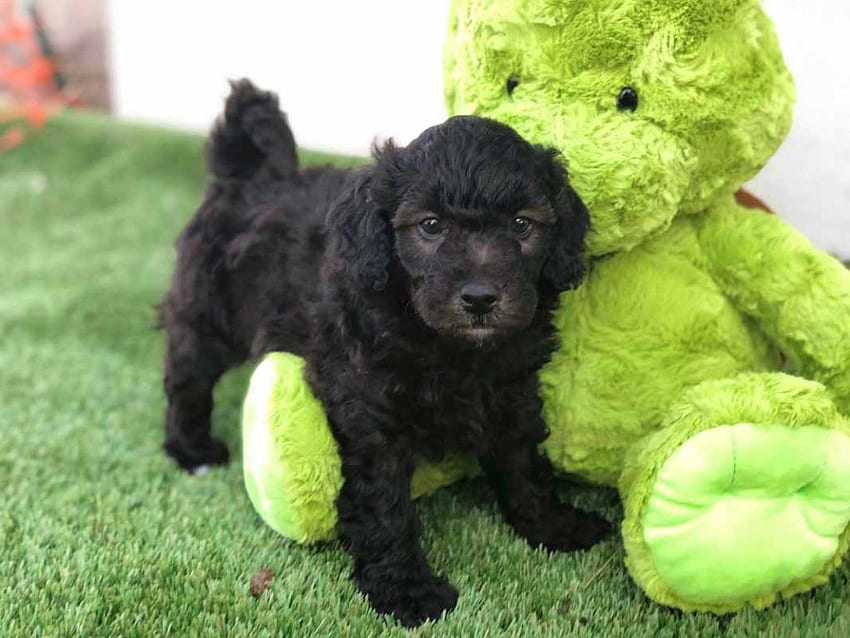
{"points": [[627, 100], [521, 226], [432, 227], [512, 83]]}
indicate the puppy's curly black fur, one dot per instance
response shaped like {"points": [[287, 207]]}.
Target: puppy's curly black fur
{"points": [[420, 291]]}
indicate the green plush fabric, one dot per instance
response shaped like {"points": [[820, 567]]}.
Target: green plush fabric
{"points": [[742, 510], [802, 300], [684, 287], [715, 97], [685, 306], [743, 495], [291, 466], [647, 324]]}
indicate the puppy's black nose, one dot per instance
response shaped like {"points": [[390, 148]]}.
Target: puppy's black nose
{"points": [[478, 298]]}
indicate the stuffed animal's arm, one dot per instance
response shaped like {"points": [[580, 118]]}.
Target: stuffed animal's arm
{"points": [[798, 295]]}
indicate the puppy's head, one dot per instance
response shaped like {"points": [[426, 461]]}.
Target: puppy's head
{"points": [[471, 222]]}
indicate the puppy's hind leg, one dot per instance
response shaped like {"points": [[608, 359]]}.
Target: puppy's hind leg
{"points": [[193, 365]]}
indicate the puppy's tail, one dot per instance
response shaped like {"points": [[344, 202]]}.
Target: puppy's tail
{"points": [[252, 139]]}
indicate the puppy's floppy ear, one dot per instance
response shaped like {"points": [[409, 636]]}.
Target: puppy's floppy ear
{"points": [[565, 266], [359, 235]]}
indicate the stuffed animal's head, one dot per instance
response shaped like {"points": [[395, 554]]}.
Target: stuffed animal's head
{"points": [[658, 106]]}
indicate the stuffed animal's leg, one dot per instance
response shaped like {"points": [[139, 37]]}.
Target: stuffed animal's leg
{"points": [[742, 497], [193, 364], [797, 295], [378, 519], [524, 480]]}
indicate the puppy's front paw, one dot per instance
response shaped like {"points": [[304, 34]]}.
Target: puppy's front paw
{"points": [[412, 602], [565, 530], [195, 458]]}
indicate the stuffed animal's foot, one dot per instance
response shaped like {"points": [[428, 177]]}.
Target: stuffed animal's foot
{"points": [[411, 601], [745, 495], [564, 529], [197, 456]]}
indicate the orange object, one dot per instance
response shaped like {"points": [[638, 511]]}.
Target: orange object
{"points": [[29, 93]]}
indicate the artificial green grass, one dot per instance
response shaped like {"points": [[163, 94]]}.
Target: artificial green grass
{"points": [[101, 535]]}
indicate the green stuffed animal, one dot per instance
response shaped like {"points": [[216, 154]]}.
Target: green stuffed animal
{"points": [[735, 477], [671, 381]]}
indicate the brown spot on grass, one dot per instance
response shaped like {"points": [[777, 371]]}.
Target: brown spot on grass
{"points": [[261, 581]]}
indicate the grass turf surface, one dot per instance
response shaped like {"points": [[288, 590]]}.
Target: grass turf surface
{"points": [[100, 534]]}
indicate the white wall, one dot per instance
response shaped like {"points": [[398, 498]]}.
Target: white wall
{"points": [[346, 71], [808, 180], [349, 71]]}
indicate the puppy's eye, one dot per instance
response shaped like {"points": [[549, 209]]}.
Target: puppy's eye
{"points": [[511, 84], [627, 100], [432, 227], [521, 226]]}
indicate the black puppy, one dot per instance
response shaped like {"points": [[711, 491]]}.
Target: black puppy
{"points": [[420, 291]]}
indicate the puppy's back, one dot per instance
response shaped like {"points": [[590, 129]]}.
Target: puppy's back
{"points": [[247, 262]]}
